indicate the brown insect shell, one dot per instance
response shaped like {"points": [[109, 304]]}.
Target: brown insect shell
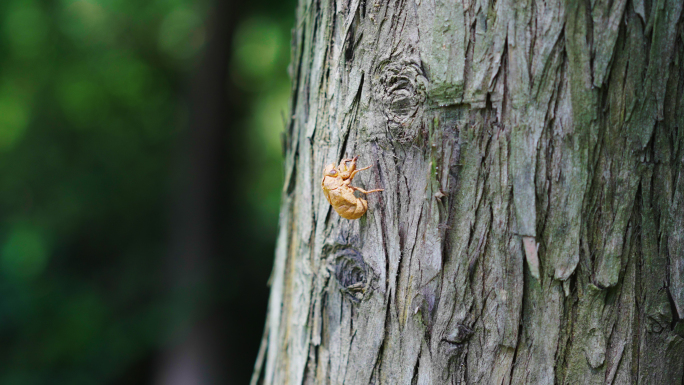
{"points": [[341, 197]]}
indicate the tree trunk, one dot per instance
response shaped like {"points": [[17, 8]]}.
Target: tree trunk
{"points": [[531, 230]]}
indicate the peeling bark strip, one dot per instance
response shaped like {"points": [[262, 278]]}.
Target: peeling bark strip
{"points": [[531, 230]]}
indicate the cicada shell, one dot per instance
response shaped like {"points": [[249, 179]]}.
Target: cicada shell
{"points": [[338, 190]]}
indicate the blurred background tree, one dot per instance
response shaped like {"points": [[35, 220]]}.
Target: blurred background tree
{"points": [[140, 165]]}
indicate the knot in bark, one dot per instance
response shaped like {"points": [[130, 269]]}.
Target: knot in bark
{"points": [[400, 90], [459, 335], [351, 272]]}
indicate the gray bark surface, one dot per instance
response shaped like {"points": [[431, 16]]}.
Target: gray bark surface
{"points": [[531, 230]]}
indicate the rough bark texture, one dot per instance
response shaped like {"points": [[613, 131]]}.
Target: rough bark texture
{"points": [[531, 230]]}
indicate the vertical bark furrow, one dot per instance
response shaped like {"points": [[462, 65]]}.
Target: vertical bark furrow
{"points": [[606, 16]]}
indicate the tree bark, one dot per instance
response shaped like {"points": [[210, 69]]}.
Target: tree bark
{"points": [[531, 230]]}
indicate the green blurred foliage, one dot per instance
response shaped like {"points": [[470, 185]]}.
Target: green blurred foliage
{"points": [[260, 55], [92, 105]]}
